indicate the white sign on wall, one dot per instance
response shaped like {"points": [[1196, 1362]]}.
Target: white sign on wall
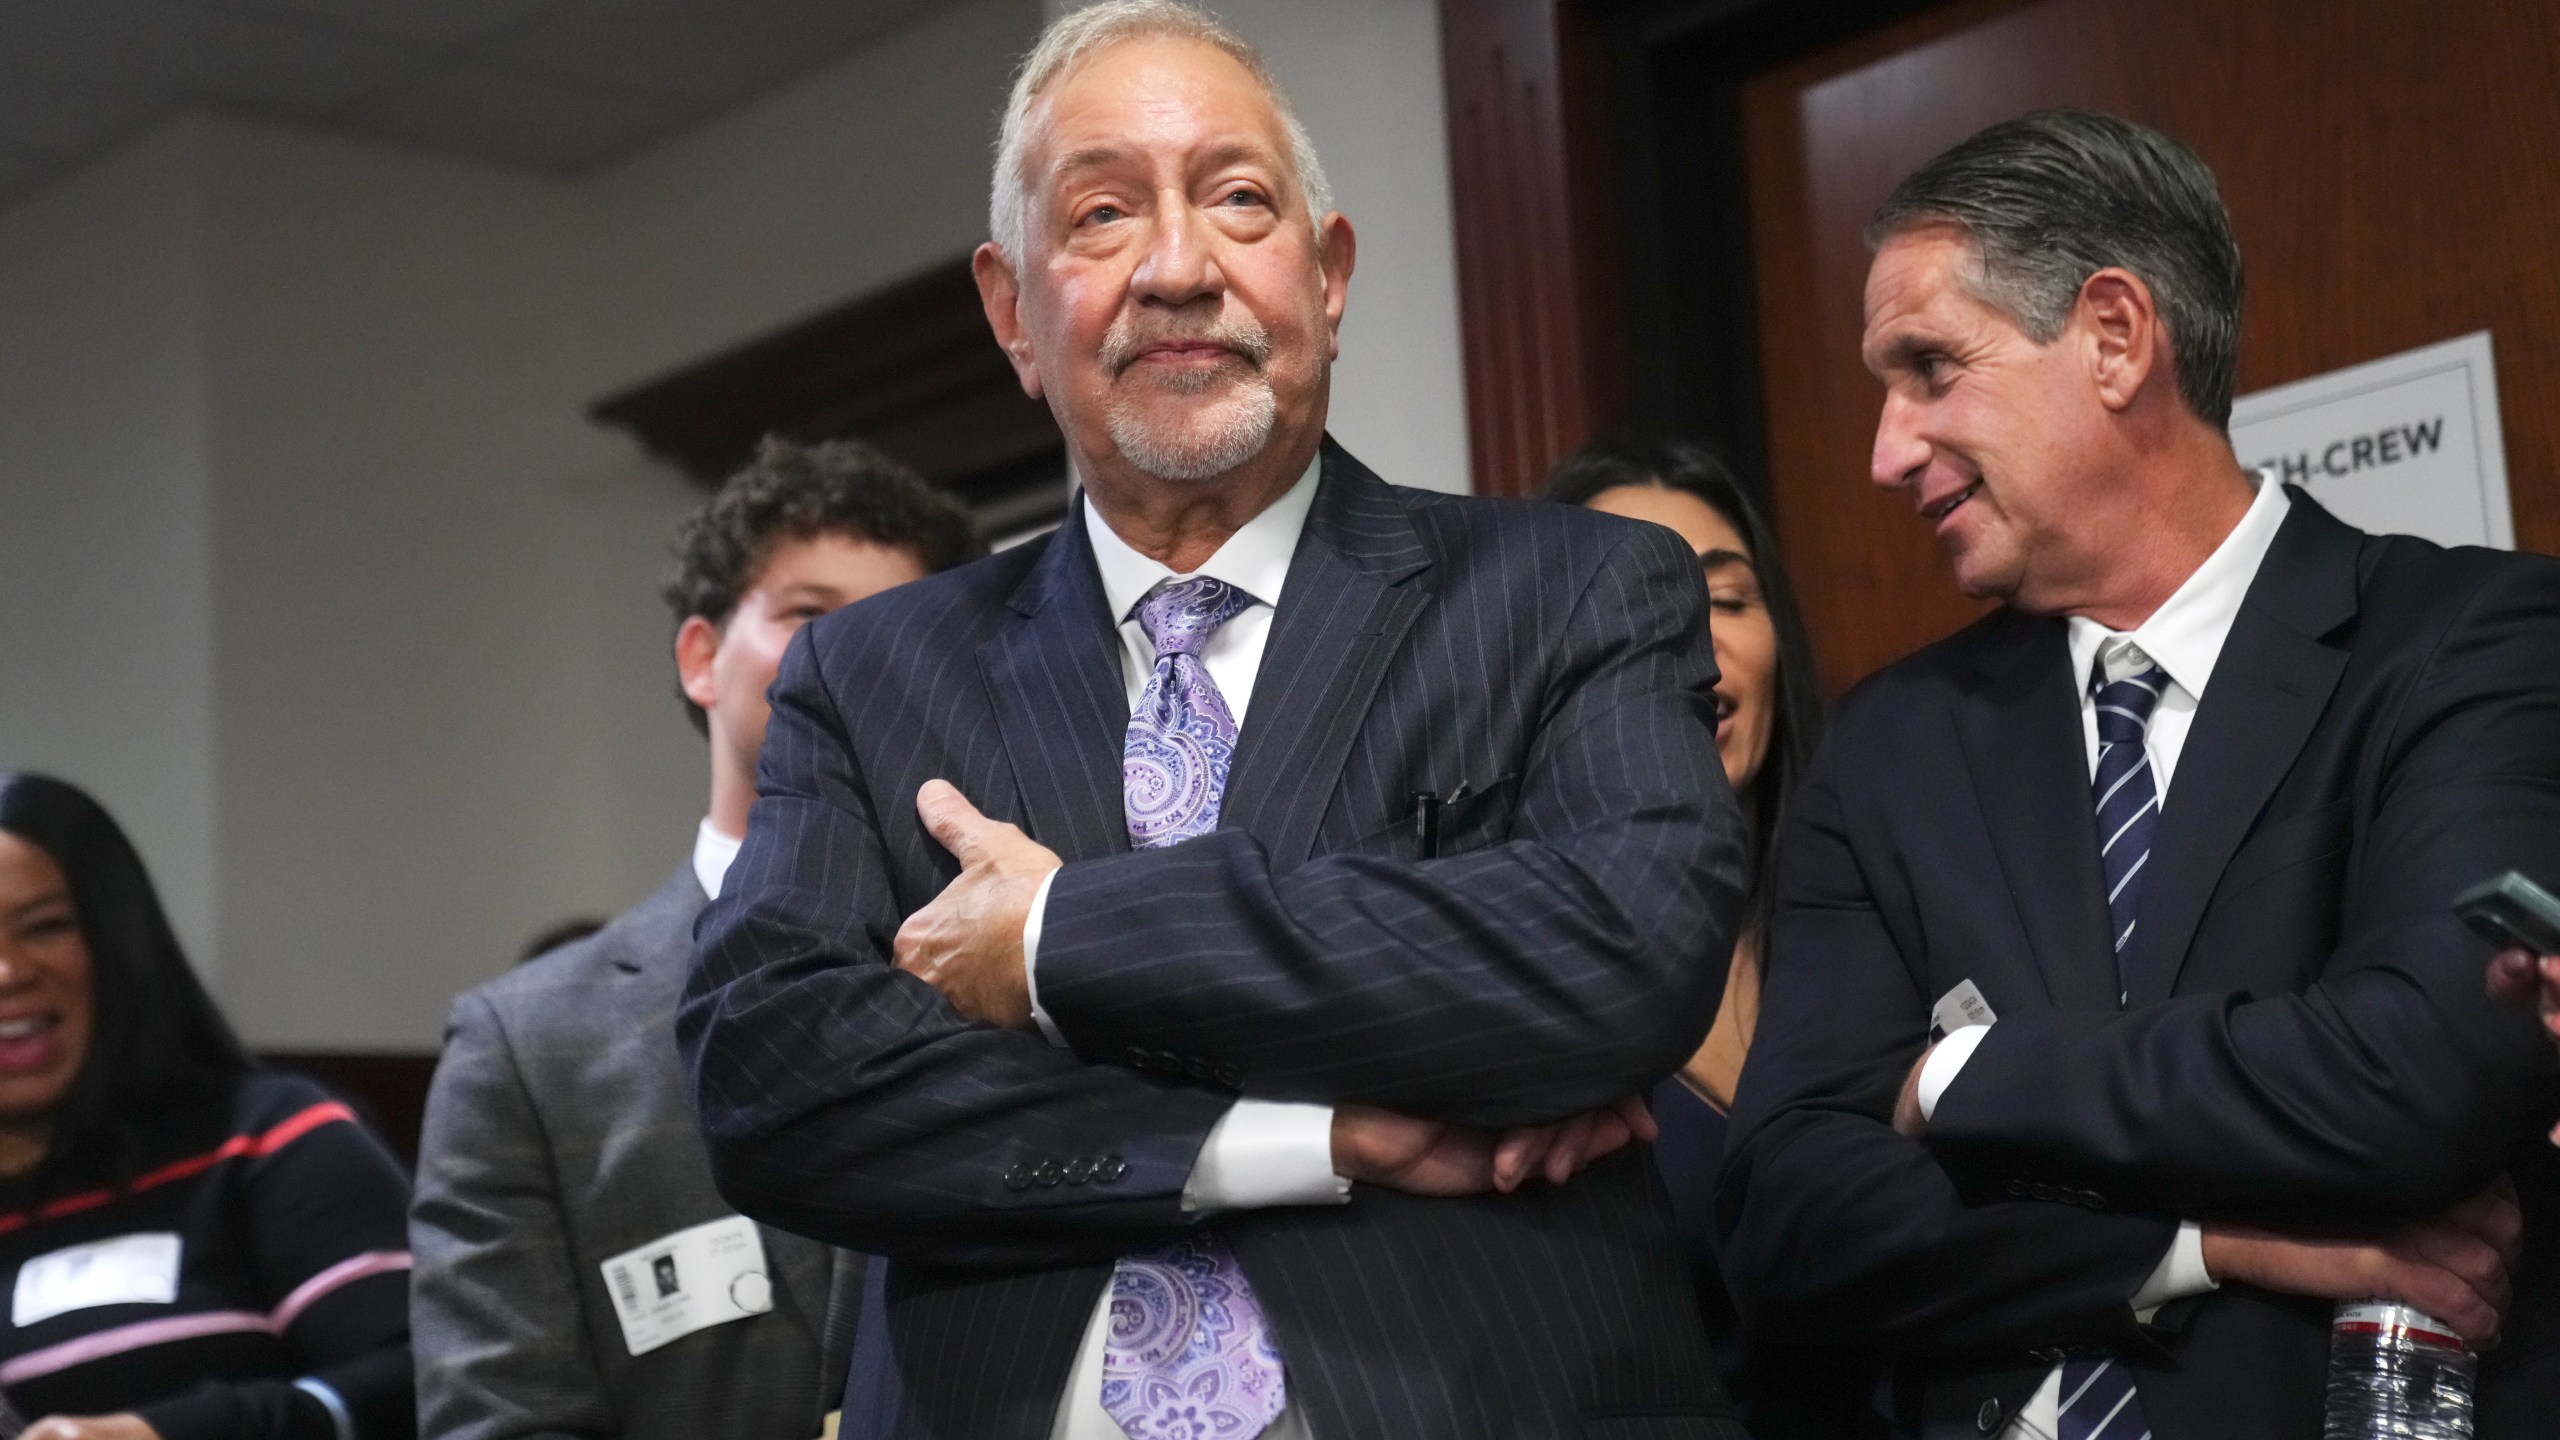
{"points": [[2405, 445]]}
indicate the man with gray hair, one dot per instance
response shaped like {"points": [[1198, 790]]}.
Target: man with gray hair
{"points": [[2117, 1023], [1210, 951]]}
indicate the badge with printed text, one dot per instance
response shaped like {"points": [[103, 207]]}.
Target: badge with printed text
{"points": [[127, 1270], [691, 1280], [1958, 1008]]}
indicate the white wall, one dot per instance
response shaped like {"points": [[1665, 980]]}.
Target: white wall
{"points": [[867, 173], [1365, 78], [105, 592], [404, 653], [313, 567], [443, 670]]}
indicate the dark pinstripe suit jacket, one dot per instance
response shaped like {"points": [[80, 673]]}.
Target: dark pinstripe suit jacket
{"points": [[1547, 670]]}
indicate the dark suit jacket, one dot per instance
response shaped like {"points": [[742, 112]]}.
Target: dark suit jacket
{"points": [[2307, 1044], [557, 1135], [1546, 670]]}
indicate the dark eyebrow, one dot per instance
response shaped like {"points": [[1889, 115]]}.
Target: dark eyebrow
{"points": [[807, 590], [1718, 559], [50, 897], [1902, 350]]}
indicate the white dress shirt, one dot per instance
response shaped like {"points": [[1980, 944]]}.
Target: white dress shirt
{"points": [[713, 853], [1260, 1153], [2184, 638]]}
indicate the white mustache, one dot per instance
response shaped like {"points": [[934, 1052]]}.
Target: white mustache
{"points": [[1243, 336]]}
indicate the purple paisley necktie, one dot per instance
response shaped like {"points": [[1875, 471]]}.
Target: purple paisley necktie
{"points": [[1189, 1357]]}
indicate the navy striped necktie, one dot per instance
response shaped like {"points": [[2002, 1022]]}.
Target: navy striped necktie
{"points": [[2127, 792], [2097, 1394]]}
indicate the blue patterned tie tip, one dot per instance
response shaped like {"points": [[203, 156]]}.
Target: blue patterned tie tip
{"points": [[1189, 1356]]}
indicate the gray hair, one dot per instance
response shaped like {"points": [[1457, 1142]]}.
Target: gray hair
{"points": [[2054, 197], [1073, 38]]}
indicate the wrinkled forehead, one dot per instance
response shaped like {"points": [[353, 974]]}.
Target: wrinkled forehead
{"points": [[1922, 289], [1913, 267], [1152, 103]]}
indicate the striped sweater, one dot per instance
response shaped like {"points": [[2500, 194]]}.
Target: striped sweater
{"points": [[253, 1283]]}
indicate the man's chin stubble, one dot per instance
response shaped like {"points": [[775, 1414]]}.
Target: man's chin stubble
{"points": [[1197, 446]]}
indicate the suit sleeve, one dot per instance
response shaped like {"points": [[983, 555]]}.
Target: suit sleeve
{"points": [[2392, 1087], [1838, 1230], [846, 1100], [499, 1326], [1573, 964]]}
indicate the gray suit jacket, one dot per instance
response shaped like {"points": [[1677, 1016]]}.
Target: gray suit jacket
{"points": [[557, 1135]]}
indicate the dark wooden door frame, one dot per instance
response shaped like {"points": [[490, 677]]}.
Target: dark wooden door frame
{"points": [[1603, 234], [1532, 185]]}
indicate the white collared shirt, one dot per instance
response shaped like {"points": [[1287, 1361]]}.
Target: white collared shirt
{"points": [[1260, 1153], [1255, 560], [2184, 637], [713, 854]]}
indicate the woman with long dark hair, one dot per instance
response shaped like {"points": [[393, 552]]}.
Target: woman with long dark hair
{"points": [[196, 1249], [1768, 719]]}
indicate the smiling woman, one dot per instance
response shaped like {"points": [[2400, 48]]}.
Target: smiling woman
{"points": [[193, 1248]]}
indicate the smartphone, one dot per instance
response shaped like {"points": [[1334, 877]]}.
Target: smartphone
{"points": [[2511, 912]]}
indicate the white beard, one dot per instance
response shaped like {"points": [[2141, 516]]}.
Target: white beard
{"points": [[1201, 441]]}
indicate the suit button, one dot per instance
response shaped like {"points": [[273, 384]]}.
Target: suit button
{"points": [[1231, 1075], [1137, 1059], [1018, 1178], [1111, 1169], [1080, 1169], [2017, 1189], [1048, 1175], [1198, 1069], [1987, 1419]]}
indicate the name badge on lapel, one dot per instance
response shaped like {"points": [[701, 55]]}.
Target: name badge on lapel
{"points": [[128, 1270], [691, 1280], [1958, 1008]]}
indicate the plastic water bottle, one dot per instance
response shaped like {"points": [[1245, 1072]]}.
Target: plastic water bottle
{"points": [[2396, 1374]]}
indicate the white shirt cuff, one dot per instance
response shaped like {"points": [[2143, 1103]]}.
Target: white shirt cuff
{"points": [[1031, 961], [1939, 1070], [1263, 1153], [2180, 1273]]}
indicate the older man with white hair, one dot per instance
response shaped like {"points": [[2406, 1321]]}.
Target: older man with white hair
{"points": [[1210, 951]]}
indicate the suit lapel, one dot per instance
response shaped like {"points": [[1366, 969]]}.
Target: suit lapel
{"points": [[2269, 687], [659, 930], [1054, 673], [1343, 615], [2020, 732]]}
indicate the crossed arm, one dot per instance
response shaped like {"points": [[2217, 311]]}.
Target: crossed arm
{"points": [[2377, 1102], [849, 1096]]}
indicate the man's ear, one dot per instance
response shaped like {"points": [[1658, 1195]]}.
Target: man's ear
{"points": [[1337, 249], [1000, 292], [697, 644], [2126, 344]]}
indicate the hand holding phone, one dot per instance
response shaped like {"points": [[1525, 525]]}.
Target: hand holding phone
{"points": [[2523, 920]]}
